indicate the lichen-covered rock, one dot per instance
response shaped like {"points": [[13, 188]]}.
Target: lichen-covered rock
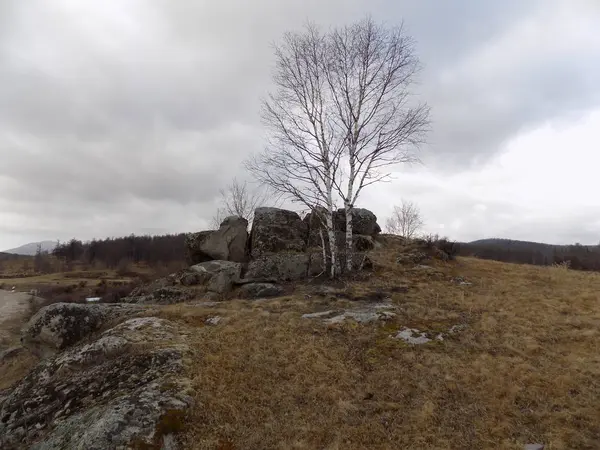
{"points": [[228, 243], [114, 393], [223, 274], [260, 290], [278, 267], [60, 325], [277, 230]]}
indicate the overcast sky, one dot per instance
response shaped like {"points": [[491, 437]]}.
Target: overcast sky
{"points": [[128, 116]]}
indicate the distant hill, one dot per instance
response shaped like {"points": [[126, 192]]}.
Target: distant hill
{"points": [[514, 243], [31, 248], [584, 257], [10, 256]]}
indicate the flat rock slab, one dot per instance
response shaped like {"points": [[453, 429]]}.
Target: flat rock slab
{"points": [[372, 313], [415, 337], [111, 393]]}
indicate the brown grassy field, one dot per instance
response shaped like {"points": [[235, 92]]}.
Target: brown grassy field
{"points": [[526, 369]]}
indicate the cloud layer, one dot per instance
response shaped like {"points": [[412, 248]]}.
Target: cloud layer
{"points": [[120, 117]]}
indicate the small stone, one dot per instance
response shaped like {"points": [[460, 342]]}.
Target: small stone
{"points": [[412, 336], [317, 315], [456, 328], [534, 446], [213, 320]]}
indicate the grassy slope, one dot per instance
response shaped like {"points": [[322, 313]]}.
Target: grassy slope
{"points": [[526, 369]]}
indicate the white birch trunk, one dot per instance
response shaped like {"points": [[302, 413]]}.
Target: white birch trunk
{"points": [[349, 207], [330, 230], [332, 246], [349, 252], [324, 251]]}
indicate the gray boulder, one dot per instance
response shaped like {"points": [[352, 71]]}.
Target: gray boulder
{"points": [[278, 267], [116, 392], [260, 290], [193, 246], [363, 222], [228, 243], [277, 230], [192, 278], [60, 325], [223, 274]]}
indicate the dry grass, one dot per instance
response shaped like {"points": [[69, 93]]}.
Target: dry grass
{"points": [[62, 278], [526, 369], [15, 368]]}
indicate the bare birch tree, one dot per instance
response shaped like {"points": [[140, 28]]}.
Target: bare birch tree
{"points": [[370, 74], [341, 115], [241, 199], [405, 220]]}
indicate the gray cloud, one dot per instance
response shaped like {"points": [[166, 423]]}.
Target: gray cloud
{"points": [[123, 111]]}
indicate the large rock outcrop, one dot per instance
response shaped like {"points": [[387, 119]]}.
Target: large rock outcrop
{"points": [[277, 230], [61, 325], [281, 247], [127, 389]]}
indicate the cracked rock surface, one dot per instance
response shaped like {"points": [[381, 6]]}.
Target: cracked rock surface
{"points": [[124, 389]]}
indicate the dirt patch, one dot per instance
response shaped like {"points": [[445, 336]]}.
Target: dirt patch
{"points": [[14, 311]]}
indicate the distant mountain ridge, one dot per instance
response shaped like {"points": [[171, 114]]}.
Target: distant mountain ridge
{"points": [[31, 248]]}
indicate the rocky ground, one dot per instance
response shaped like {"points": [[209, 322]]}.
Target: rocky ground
{"points": [[417, 351]]}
